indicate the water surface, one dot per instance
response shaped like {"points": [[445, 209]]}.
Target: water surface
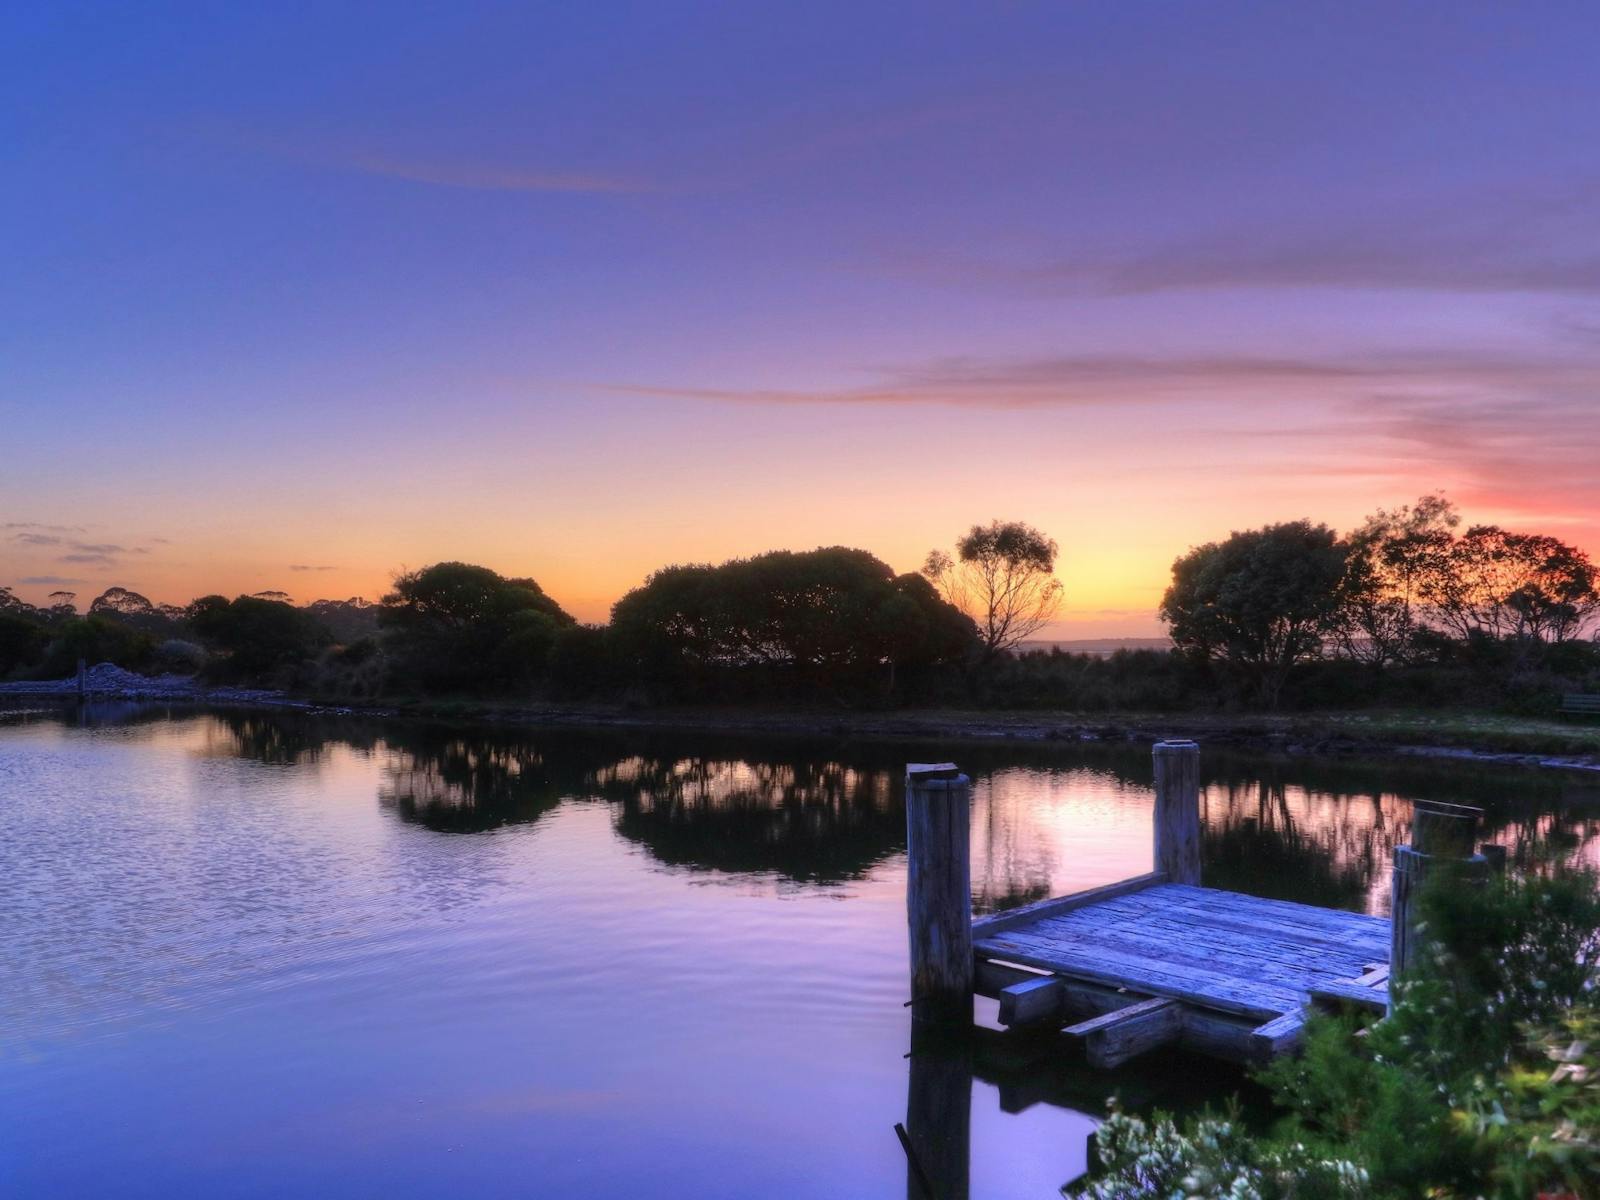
{"points": [[256, 955]]}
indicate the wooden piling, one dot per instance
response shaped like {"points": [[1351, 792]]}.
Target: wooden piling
{"points": [[1177, 812], [83, 679], [939, 893], [1442, 837]]}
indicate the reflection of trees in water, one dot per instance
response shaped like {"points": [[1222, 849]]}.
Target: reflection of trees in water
{"points": [[283, 739], [465, 784], [1314, 829], [809, 819], [1270, 839], [1012, 862], [1570, 831], [1324, 832]]}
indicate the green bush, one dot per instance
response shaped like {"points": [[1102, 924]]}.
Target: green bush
{"points": [[1213, 1158]]}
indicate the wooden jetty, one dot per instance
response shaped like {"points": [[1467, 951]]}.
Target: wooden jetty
{"points": [[1158, 960]]}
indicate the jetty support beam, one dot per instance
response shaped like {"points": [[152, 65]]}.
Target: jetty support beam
{"points": [[939, 893], [1114, 1038]]}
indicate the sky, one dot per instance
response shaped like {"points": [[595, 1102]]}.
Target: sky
{"points": [[296, 296]]}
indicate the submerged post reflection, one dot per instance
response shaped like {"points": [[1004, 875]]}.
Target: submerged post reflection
{"points": [[939, 1115]]}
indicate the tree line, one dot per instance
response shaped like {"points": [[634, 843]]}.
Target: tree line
{"points": [[1407, 608], [832, 624], [1405, 589]]}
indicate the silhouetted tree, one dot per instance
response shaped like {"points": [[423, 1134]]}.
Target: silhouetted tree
{"points": [[14, 604], [120, 602], [458, 626], [1390, 559], [1497, 584], [62, 605], [1003, 577], [136, 611], [832, 619], [1260, 601]]}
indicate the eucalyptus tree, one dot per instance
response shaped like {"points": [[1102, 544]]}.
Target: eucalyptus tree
{"points": [[1002, 575]]}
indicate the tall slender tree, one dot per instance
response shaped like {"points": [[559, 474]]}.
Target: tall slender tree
{"points": [[1002, 575]]}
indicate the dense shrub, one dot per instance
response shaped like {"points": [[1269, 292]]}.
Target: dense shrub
{"points": [[257, 637], [581, 663], [178, 657], [98, 639], [22, 642]]}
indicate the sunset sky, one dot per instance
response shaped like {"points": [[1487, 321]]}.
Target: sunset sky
{"points": [[295, 296]]}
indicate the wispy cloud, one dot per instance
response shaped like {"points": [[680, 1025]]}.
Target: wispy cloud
{"points": [[36, 539], [42, 527], [1544, 242], [1095, 379], [305, 567], [50, 580], [89, 558]]}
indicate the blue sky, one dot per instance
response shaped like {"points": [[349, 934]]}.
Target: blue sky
{"points": [[579, 290]]}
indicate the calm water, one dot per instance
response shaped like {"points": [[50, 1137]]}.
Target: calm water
{"points": [[265, 956]]}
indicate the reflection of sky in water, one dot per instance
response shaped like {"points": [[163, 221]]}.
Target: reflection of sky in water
{"points": [[254, 957]]}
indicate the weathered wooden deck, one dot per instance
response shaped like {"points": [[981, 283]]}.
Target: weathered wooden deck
{"points": [[1152, 963], [1157, 960]]}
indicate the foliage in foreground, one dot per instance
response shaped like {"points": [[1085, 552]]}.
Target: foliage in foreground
{"points": [[1215, 1157], [1483, 1082]]}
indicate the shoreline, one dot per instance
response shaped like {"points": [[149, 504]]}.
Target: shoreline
{"points": [[1469, 737]]}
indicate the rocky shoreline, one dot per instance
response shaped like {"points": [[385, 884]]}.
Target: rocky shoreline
{"points": [[105, 681]]}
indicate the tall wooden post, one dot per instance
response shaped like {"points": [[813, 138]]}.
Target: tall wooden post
{"points": [[1177, 817], [939, 893], [1442, 836], [83, 679]]}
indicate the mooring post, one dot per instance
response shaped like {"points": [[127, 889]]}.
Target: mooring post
{"points": [[1177, 818], [83, 679], [939, 893], [1442, 835]]}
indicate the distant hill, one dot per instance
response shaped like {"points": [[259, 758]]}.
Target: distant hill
{"points": [[1100, 647]]}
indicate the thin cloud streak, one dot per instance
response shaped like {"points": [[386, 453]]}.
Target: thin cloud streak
{"points": [[1538, 243], [1087, 380], [41, 526]]}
